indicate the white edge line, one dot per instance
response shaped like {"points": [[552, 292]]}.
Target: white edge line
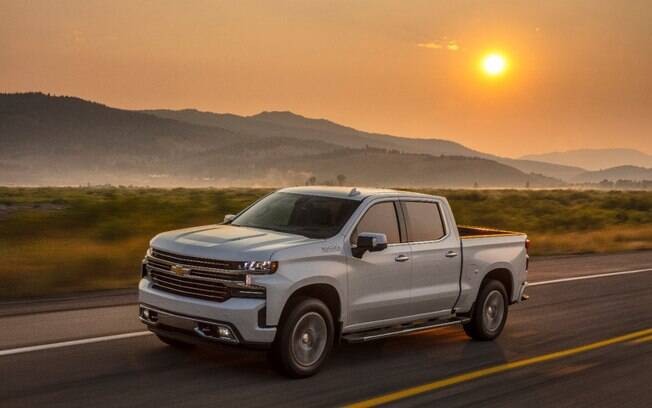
{"points": [[28, 349], [90, 340], [600, 275]]}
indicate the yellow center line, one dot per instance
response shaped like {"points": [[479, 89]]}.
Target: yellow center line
{"points": [[641, 340], [457, 379]]}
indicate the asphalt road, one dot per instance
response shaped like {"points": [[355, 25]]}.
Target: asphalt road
{"points": [[564, 347]]}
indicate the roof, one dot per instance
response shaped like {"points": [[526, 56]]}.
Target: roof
{"points": [[353, 193]]}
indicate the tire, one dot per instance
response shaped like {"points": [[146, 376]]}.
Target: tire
{"points": [[178, 344], [489, 312], [304, 339]]}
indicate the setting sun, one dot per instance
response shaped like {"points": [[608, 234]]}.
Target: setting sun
{"points": [[494, 64]]}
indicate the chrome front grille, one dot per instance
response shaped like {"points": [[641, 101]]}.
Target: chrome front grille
{"points": [[199, 267], [195, 277], [197, 262], [189, 286]]}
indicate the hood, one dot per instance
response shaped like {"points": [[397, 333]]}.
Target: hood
{"points": [[226, 242]]}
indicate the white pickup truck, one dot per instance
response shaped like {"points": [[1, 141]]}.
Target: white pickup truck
{"points": [[305, 268]]}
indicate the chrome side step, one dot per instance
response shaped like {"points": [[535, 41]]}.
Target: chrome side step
{"points": [[375, 334]]}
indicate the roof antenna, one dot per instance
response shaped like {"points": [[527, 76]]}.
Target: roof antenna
{"points": [[354, 192]]}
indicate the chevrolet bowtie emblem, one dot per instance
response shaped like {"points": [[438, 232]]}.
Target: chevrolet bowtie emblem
{"points": [[179, 270]]}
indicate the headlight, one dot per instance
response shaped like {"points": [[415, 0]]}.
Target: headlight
{"points": [[261, 267]]}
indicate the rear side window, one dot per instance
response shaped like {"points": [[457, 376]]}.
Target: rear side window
{"points": [[423, 220], [380, 218]]}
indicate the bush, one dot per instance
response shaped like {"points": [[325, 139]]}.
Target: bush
{"points": [[56, 240]]}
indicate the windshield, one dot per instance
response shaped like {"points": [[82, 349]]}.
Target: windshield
{"points": [[307, 215]]}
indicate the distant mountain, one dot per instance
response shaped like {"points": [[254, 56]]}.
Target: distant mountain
{"points": [[632, 173], [595, 159], [48, 140], [288, 124], [538, 167], [38, 124], [368, 166], [66, 138]]}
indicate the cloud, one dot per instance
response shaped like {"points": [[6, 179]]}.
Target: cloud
{"points": [[432, 45], [449, 45]]}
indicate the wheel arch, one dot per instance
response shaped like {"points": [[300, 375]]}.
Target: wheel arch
{"points": [[504, 276], [325, 292]]}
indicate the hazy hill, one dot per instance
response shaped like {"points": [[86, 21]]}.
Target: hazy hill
{"points": [[66, 126], [565, 173], [595, 159], [58, 137], [288, 124], [419, 170], [369, 166], [633, 173], [65, 140], [273, 124]]}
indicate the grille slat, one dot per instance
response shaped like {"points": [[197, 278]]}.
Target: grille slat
{"points": [[189, 293], [189, 286], [194, 261], [185, 282], [193, 289], [196, 278], [212, 269]]}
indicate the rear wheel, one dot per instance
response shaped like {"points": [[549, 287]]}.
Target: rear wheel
{"points": [[175, 343], [489, 313], [304, 339]]}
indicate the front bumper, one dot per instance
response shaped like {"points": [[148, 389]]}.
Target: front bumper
{"points": [[244, 318]]}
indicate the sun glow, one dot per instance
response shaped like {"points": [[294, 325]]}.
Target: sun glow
{"points": [[494, 64]]}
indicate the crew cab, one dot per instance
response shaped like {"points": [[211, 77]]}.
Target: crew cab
{"points": [[305, 268]]}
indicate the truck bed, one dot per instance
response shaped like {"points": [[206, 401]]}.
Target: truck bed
{"points": [[467, 231]]}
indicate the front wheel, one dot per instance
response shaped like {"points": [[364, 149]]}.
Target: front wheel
{"points": [[304, 340], [489, 313]]}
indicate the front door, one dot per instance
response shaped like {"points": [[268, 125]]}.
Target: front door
{"points": [[380, 282]]}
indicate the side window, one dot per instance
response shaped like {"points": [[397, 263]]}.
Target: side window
{"points": [[380, 218], [423, 221]]}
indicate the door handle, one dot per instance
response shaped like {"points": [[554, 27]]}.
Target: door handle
{"points": [[451, 254], [402, 258]]}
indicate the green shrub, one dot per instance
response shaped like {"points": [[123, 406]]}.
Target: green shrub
{"points": [[56, 240]]}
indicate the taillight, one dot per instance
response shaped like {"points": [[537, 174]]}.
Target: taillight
{"points": [[527, 245]]}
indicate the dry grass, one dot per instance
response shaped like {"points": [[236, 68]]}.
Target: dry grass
{"points": [[66, 240], [67, 265], [612, 239]]}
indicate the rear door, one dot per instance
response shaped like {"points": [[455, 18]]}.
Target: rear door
{"points": [[436, 258], [380, 282]]}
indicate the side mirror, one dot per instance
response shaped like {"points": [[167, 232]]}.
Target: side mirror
{"points": [[228, 218], [369, 241]]}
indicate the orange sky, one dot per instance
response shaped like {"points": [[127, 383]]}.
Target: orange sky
{"points": [[580, 71]]}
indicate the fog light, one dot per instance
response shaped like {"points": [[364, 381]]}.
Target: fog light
{"points": [[148, 315], [224, 332]]}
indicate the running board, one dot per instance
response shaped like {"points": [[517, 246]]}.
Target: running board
{"points": [[375, 334]]}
